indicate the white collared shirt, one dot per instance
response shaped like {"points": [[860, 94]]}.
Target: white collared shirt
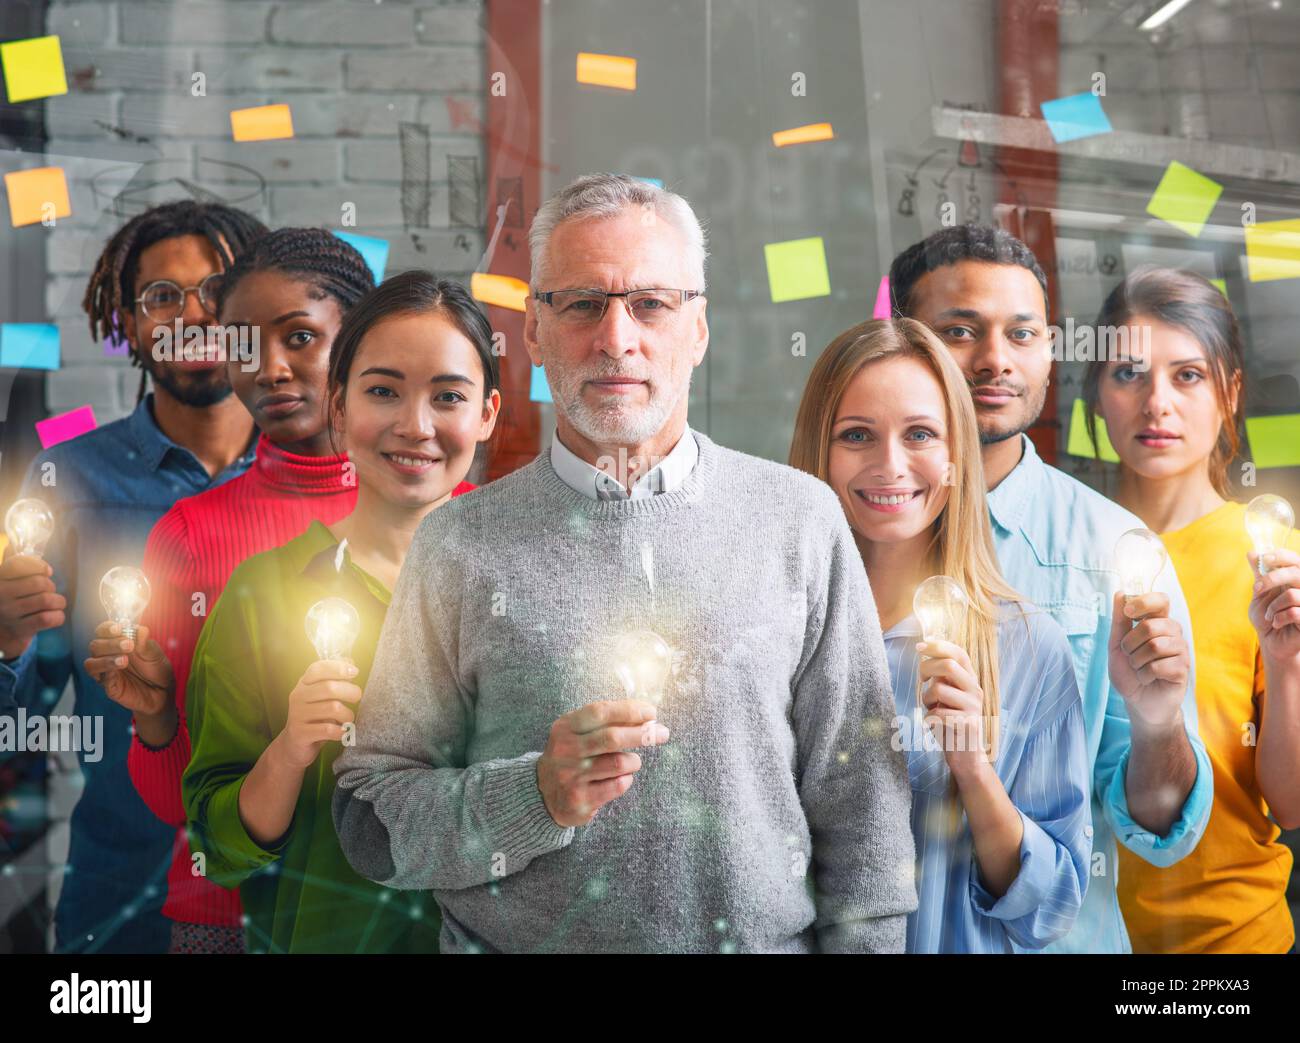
{"points": [[603, 484]]}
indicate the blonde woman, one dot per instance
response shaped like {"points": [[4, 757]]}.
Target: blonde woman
{"points": [[992, 724]]}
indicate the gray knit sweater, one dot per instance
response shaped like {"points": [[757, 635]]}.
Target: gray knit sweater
{"points": [[776, 817]]}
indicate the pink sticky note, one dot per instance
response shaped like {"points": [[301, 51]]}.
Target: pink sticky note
{"points": [[116, 344], [883, 309], [65, 426]]}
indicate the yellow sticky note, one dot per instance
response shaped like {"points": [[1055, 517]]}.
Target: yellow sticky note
{"points": [[607, 70], [1220, 285], [505, 291], [1274, 440], [1184, 198], [1079, 444], [803, 135], [262, 123], [33, 68], [35, 195], [1273, 251], [796, 269]]}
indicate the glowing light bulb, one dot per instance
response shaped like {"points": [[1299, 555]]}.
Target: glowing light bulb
{"points": [[642, 661], [332, 628], [940, 605], [125, 593], [1139, 559], [1269, 520], [29, 525]]}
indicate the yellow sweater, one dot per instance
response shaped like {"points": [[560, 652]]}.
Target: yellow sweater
{"points": [[1229, 894]]}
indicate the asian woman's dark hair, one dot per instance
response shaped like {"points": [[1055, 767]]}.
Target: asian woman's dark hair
{"points": [[415, 292], [111, 289], [1194, 305]]}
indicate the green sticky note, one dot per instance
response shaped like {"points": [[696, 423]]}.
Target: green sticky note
{"points": [[1221, 286], [1079, 444], [1184, 198], [796, 269], [1274, 440], [33, 68]]}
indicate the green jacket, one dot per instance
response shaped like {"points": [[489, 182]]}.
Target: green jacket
{"points": [[300, 895]]}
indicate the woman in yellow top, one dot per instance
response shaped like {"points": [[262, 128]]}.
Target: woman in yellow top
{"points": [[1172, 405]]}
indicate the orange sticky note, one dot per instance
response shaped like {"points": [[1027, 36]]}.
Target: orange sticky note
{"points": [[505, 291], [35, 195], [33, 68], [607, 70], [263, 123], [803, 135]]}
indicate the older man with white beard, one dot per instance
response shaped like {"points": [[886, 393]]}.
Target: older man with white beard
{"points": [[638, 587]]}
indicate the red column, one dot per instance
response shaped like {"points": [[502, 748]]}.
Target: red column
{"points": [[1028, 63], [513, 148]]}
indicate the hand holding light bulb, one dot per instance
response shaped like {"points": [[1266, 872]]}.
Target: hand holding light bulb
{"points": [[588, 759], [135, 672], [950, 692], [1275, 603], [1149, 659], [322, 703], [1269, 521], [132, 669], [29, 602]]}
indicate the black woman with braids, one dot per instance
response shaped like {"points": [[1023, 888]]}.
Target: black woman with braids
{"points": [[107, 489], [286, 296]]}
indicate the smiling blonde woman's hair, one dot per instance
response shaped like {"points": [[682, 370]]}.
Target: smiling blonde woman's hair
{"points": [[962, 542]]}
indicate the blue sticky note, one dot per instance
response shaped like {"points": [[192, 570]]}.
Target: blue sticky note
{"points": [[29, 345], [1078, 116], [658, 182], [538, 389], [375, 251]]}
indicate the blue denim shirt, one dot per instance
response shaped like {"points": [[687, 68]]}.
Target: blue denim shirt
{"points": [[106, 488], [1054, 539]]}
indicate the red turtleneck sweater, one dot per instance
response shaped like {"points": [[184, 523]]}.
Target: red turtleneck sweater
{"points": [[191, 553]]}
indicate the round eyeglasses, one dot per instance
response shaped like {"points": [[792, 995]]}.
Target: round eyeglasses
{"points": [[163, 300]]}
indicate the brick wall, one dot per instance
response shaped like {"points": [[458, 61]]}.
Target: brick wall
{"points": [[352, 71]]}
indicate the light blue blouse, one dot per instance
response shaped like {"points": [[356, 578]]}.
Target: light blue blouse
{"points": [[1042, 761]]}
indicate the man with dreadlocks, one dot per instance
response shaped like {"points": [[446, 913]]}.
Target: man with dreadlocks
{"points": [[107, 489], [291, 290]]}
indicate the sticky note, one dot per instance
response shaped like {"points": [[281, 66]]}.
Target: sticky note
{"points": [[1274, 440], [1221, 286], [35, 195], [505, 291], [884, 309], [1079, 444], [796, 269], [1184, 198], [29, 345], [803, 135], [658, 182], [607, 70], [1077, 116], [116, 346], [33, 68], [68, 425], [374, 251], [1273, 250], [538, 389], [263, 123]]}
